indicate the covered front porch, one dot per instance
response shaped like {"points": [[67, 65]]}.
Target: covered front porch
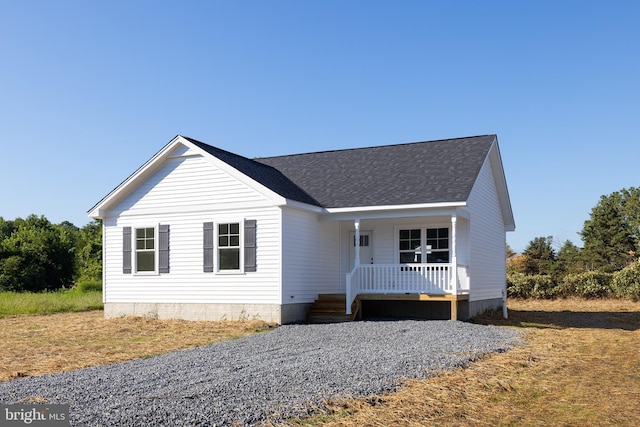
{"points": [[417, 256], [408, 282]]}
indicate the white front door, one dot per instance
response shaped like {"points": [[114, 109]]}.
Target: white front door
{"points": [[366, 248]]}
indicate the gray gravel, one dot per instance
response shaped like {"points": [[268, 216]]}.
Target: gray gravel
{"points": [[271, 376]]}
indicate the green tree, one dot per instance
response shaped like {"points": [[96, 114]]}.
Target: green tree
{"points": [[6, 228], [540, 256], [37, 255], [569, 259], [611, 234], [89, 252]]}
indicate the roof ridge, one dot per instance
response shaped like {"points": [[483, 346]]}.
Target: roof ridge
{"points": [[373, 146]]}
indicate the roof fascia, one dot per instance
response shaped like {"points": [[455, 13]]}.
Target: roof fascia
{"points": [[500, 180], [100, 209]]}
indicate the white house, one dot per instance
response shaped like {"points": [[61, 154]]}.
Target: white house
{"points": [[201, 233]]}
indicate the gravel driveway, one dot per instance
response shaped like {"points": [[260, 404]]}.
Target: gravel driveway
{"points": [[269, 376]]}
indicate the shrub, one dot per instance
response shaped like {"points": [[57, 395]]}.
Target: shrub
{"points": [[89, 286], [590, 284], [531, 286], [626, 282], [518, 286], [544, 287]]}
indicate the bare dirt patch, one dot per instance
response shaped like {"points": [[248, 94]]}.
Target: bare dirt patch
{"points": [[579, 367], [34, 345]]}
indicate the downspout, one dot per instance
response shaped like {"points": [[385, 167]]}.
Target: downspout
{"points": [[505, 314]]}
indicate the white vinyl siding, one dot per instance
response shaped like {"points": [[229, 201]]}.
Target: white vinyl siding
{"points": [[187, 281], [488, 239], [311, 256], [186, 185], [184, 194]]}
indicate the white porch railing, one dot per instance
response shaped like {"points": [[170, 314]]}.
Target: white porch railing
{"points": [[405, 278]]}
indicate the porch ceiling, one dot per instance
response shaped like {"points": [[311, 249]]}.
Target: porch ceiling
{"points": [[389, 212]]}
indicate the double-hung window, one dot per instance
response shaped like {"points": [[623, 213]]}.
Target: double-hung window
{"points": [[423, 245], [145, 250], [229, 246], [438, 241], [411, 246]]}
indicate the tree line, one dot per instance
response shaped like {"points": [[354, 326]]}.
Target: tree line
{"points": [[607, 265], [37, 255]]}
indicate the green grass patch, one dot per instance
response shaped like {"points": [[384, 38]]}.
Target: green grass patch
{"points": [[71, 300]]}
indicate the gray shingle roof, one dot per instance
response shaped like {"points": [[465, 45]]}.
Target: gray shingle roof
{"points": [[414, 173]]}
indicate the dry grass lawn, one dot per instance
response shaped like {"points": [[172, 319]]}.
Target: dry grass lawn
{"points": [[33, 345], [579, 367]]}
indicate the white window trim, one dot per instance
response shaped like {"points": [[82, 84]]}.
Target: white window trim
{"points": [[134, 251], [423, 239], [216, 247]]}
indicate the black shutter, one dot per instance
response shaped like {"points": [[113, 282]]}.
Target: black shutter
{"points": [[126, 250], [163, 248], [207, 244], [250, 245]]}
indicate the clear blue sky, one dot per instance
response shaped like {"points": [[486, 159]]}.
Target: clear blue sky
{"points": [[89, 90]]}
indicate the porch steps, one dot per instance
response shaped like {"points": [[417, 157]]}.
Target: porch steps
{"points": [[330, 308]]}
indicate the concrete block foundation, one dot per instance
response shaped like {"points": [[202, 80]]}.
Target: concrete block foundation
{"points": [[272, 313]]}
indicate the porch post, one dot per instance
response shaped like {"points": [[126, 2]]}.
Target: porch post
{"points": [[357, 242], [454, 255], [350, 295]]}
